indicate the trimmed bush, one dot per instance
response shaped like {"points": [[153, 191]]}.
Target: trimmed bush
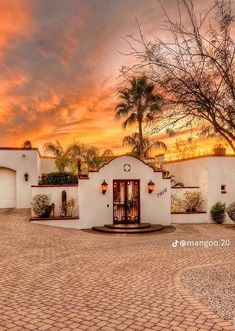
{"points": [[218, 212], [58, 178]]}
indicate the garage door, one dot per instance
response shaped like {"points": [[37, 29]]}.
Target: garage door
{"points": [[7, 188]]}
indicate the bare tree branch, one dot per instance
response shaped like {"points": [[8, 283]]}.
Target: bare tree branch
{"points": [[194, 70]]}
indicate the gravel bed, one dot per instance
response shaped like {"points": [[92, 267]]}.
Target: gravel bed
{"points": [[214, 287]]}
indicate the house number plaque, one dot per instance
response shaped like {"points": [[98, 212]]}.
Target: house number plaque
{"points": [[162, 192]]}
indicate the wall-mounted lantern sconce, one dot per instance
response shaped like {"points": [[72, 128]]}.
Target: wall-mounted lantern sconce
{"points": [[26, 176], [104, 187], [223, 189], [151, 186]]}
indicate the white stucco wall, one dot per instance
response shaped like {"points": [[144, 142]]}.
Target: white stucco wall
{"points": [[189, 218], [47, 165], [21, 161], [96, 209], [191, 173], [209, 173], [221, 171], [55, 193]]}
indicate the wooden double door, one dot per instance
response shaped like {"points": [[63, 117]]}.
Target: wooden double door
{"points": [[126, 201]]}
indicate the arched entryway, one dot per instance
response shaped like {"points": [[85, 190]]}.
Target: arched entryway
{"points": [[7, 188]]}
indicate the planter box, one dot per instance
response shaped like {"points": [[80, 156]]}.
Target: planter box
{"points": [[219, 150], [55, 193], [189, 218]]}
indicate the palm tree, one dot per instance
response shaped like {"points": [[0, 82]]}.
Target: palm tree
{"points": [[139, 104], [148, 144], [94, 160], [75, 155], [53, 149], [57, 151], [76, 152]]}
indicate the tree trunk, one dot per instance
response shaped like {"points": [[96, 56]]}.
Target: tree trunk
{"points": [[231, 144], [79, 166], [141, 139]]}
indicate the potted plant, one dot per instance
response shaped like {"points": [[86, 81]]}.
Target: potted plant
{"points": [[41, 205], [218, 212], [192, 201], [64, 209], [219, 149], [71, 203], [176, 204]]}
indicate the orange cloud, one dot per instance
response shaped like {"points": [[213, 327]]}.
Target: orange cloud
{"points": [[59, 66], [15, 20]]}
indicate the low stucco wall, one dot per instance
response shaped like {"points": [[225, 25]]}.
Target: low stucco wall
{"points": [[55, 193], [189, 218]]}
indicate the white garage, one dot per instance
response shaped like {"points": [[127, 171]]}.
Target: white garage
{"points": [[7, 188]]}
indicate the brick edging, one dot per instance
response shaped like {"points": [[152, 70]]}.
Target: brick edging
{"points": [[226, 325]]}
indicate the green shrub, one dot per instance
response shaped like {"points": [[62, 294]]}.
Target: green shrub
{"points": [[58, 178], [41, 205], [218, 212]]}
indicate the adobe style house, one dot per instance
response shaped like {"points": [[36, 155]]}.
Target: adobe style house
{"points": [[123, 191]]}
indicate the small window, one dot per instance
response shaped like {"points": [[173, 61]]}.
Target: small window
{"points": [[223, 188]]}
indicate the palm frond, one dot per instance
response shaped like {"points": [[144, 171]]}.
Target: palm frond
{"points": [[122, 110], [108, 153], [156, 145], [138, 98], [128, 141], [130, 120], [54, 149], [124, 94], [75, 150]]}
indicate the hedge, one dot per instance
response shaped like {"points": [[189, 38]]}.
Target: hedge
{"points": [[58, 178]]}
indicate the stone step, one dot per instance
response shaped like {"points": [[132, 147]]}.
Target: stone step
{"points": [[109, 229]]}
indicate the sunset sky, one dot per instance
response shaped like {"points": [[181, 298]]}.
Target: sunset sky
{"points": [[59, 64]]}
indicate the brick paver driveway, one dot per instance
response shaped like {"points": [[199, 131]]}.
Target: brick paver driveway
{"points": [[63, 279]]}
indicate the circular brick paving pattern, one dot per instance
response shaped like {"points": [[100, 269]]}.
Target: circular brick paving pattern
{"points": [[65, 279]]}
